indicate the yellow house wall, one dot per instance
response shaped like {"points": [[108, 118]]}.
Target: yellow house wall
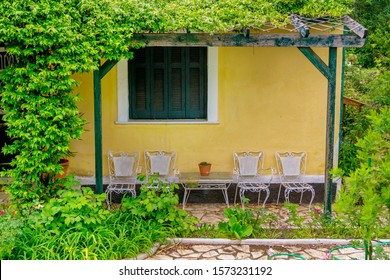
{"points": [[269, 99]]}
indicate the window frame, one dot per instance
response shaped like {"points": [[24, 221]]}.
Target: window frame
{"points": [[212, 95]]}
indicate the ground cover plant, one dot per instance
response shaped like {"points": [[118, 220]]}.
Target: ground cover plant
{"points": [[76, 225]]}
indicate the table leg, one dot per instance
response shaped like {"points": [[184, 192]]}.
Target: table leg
{"points": [[185, 196], [225, 194]]}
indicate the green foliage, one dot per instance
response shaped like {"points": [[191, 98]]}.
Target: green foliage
{"points": [[365, 197], [51, 40], [10, 230], [119, 237], [76, 210], [158, 202], [226, 15], [355, 124], [374, 15], [244, 223], [240, 223], [75, 226], [380, 89]]}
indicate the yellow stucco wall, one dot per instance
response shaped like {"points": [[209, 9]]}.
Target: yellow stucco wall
{"points": [[269, 99]]}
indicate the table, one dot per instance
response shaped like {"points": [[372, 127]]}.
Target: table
{"points": [[193, 181]]}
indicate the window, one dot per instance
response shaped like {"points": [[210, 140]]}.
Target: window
{"points": [[168, 83]]}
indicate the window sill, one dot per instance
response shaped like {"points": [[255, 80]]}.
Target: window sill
{"points": [[157, 122]]}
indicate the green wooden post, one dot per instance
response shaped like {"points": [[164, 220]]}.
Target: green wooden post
{"points": [[329, 71], [342, 97], [330, 130], [98, 131], [97, 88]]}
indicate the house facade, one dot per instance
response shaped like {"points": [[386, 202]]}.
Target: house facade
{"points": [[230, 99]]}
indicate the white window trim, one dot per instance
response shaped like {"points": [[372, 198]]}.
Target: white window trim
{"points": [[212, 94]]}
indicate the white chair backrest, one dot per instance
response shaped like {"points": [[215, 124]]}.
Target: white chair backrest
{"points": [[123, 164], [291, 164], [161, 162], [247, 163]]}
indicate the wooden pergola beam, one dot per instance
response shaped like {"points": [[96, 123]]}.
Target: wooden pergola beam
{"points": [[254, 40]]}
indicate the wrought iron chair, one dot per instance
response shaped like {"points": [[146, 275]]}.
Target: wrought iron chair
{"points": [[161, 165], [123, 169], [248, 170], [291, 169]]}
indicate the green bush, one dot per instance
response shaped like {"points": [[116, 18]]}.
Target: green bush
{"points": [[79, 210], [159, 203], [364, 200], [244, 223], [11, 228]]}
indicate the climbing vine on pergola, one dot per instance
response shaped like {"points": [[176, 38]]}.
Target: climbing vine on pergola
{"points": [[54, 39]]}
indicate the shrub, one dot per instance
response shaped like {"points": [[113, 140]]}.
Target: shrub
{"points": [[158, 202], [364, 199], [79, 210], [11, 228]]}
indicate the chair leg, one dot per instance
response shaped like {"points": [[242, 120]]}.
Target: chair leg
{"points": [[185, 197], [280, 188], [300, 201], [108, 200], [287, 195], [266, 197], [235, 194], [312, 197], [241, 194], [225, 195]]}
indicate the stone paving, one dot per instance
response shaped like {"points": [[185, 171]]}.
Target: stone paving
{"points": [[249, 252], [254, 249]]}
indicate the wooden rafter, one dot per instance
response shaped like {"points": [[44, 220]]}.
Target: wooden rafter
{"points": [[356, 27], [300, 25]]}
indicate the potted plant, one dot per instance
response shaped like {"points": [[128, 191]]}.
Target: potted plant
{"points": [[204, 168], [65, 165]]}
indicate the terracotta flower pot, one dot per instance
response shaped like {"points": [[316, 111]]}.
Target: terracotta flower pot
{"points": [[65, 165], [204, 169]]}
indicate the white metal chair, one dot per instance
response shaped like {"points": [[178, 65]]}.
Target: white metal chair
{"points": [[123, 169], [161, 164], [248, 170], [291, 169]]}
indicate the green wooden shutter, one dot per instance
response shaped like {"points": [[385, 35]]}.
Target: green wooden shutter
{"points": [[177, 82], [159, 93], [196, 83], [139, 89], [168, 83]]}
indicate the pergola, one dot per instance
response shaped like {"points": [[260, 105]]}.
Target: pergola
{"points": [[331, 33]]}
